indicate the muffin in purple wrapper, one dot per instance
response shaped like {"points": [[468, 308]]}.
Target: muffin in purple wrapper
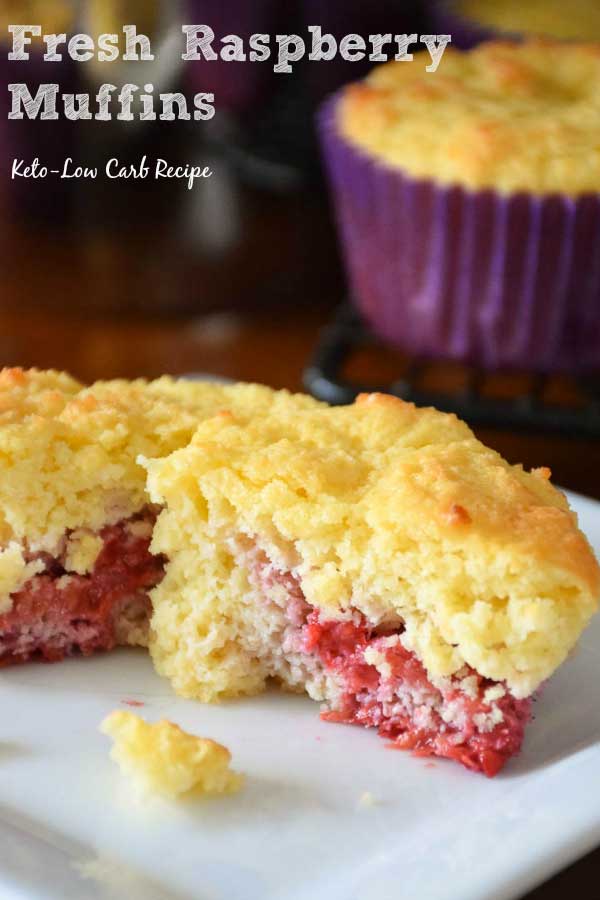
{"points": [[51, 142], [472, 21], [469, 204]]}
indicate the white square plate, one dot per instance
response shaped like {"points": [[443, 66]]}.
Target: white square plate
{"points": [[71, 829]]}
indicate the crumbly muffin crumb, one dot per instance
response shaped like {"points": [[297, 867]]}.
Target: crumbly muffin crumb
{"points": [[163, 759]]}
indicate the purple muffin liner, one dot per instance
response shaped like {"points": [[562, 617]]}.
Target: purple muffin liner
{"points": [[500, 281], [466, 32]]}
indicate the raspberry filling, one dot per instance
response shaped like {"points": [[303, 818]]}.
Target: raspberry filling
{"points": [[58, 613], [364, 672], [383, 685]]}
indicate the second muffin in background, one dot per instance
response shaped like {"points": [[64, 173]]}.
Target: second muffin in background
{"points": [[469, 203]]}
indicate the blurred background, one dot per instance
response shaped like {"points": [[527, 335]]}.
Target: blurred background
{"points": [[242, 277], [182, 271]]}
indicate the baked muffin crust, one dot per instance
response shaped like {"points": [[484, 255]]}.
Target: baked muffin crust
{"points": [[376, 556], [69, 473], [507, 116], [396, 513]]}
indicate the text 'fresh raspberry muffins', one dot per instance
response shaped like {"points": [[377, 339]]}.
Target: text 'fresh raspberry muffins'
{"points": [[469, 203]]}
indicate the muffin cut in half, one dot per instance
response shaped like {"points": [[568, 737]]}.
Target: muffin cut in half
{"points": [[378, 557], [76, 570]]}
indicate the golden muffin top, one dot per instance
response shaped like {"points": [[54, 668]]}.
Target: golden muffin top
{"points": [[508, 116], [68, 453], [379, 507], [572, 20], [391, 510]]}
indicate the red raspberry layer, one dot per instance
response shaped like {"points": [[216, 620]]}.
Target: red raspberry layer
{"points": [[452, 720], [58, 613], [406, 707]]}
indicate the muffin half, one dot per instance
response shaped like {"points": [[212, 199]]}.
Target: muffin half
{"points": [[377, 557], [76, 522]]}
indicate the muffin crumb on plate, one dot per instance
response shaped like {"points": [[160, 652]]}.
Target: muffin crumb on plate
{"points": [[163, 759]]}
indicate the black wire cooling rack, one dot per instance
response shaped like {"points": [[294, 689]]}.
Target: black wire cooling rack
{"points": [[535, 402]]}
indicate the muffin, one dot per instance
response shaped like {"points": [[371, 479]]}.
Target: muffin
{"points": [[376, 556], [469, 203], [75, 520], [472, 21]]}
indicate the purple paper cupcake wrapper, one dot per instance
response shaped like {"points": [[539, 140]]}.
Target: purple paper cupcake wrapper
{"points": [[500, 281]]}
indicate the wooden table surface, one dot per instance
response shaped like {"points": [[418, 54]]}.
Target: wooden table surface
{"points": [[165, 296]]}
